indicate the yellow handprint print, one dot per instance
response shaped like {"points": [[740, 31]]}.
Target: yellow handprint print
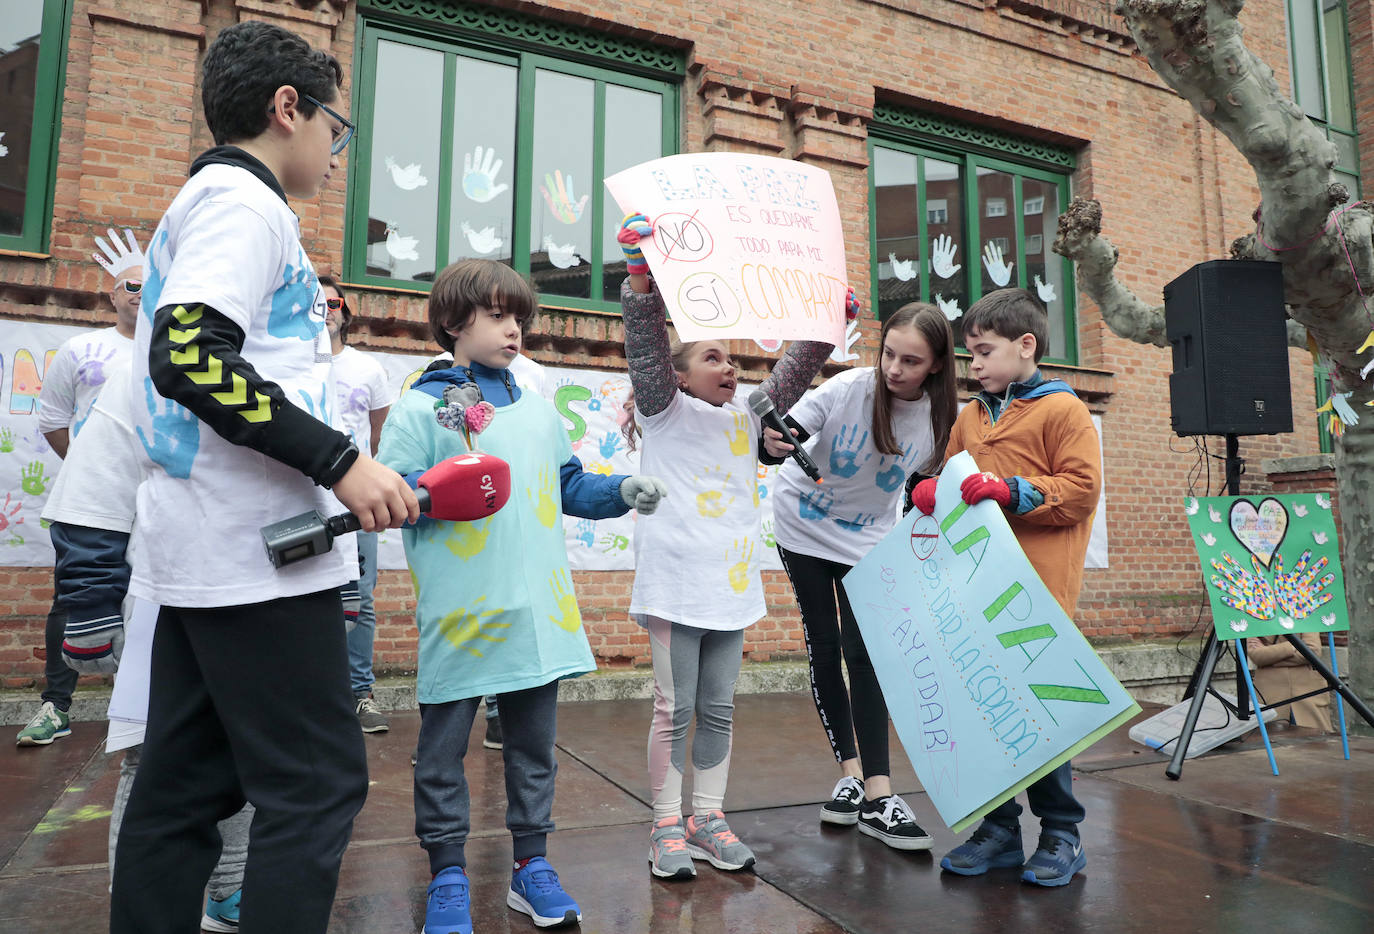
{"points": [[739, 571], [712, 502], [463, 627], [545, 510], [466, 539], [740, 437], [571, 616]]}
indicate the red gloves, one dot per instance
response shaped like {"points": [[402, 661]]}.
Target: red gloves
{"points": [[923, 496], [983, 486]]}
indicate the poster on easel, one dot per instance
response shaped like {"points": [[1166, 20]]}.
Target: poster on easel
{"points": [[989, 684], [1271, 563], [744, 246]]}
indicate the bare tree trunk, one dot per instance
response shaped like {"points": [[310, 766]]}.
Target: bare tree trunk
{"points": [[1195, 46]]}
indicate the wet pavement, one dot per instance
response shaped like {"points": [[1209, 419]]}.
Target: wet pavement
{"points": [[1229, 848]]}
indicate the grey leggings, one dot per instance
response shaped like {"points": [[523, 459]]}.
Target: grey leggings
{"points": [[695, 670], [233, 831]]}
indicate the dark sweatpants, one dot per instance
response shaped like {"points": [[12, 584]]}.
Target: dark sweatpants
{"points": [[247, 702], [529, 723], [61, 678]]}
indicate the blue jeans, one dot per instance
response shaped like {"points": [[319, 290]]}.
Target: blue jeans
{"points": [[1051, 799], [360, 639]]}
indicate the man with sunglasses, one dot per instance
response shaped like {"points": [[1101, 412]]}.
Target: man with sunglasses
{"points": [[70, 386]]}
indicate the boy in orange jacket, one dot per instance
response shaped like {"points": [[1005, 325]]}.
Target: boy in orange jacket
{"points": [[1038, 448]]}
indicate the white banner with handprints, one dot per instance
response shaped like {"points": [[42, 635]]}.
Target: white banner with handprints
{"points": [[590, 402]]}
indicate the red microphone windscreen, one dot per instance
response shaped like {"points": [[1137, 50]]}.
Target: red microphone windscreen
{"points": [[468, 487]]}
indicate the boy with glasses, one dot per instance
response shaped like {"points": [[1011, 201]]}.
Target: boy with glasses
{"points": [[231, 400], [70, 386]]}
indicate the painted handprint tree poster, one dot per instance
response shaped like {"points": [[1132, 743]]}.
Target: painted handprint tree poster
{"points": [[744, 246], [1271, 564], [989, 684]]}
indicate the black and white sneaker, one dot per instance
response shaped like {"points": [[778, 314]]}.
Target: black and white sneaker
{"points": [[843, 806], [891, 821]]}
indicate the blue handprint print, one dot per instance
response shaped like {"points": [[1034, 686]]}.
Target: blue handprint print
{"points": [[176, 435], [815, 504], [889, 478], [860, 522], [293, 304], [610, 443], [586, 532], [155, 260], [844, 451]]}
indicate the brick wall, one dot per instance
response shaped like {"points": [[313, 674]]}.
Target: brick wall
{"points": [[785, 79]]}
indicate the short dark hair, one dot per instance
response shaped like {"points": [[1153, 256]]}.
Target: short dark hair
{"points": [[1009, 313], [246, 64], [331, 282], [463, 287]]}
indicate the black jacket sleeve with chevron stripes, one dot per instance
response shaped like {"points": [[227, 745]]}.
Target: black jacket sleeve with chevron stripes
{"points": [[195, 359]]}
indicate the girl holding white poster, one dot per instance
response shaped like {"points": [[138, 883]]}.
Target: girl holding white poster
{"points": [[697, 585], [868, 429]]}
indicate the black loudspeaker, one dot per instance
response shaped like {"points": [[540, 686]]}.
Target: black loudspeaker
{"points": [[1227, 326]]}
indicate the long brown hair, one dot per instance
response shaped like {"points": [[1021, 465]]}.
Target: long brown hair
{"points": [[939, 384]]}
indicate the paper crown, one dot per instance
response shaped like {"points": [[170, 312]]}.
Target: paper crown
{"points": [[118, 259]]}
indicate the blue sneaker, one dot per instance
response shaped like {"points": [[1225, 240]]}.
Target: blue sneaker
{"points": [[447, 907], [535, 891], [222, 916], [992, 846], [1057, 857]]}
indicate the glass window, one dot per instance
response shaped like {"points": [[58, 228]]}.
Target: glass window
{"points": [[32, 34], [474, 150], [950, 228]]}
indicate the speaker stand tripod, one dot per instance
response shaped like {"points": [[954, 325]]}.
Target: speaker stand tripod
{"points": [[1201, 682]]}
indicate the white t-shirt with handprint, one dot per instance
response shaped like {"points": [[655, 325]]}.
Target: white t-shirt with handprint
{"points": [[360, 386], [697, 557], [74, 377], [844, 517], [230, 242]]}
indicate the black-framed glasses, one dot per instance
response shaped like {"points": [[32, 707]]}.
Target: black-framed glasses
{"points": [[344, 136]]}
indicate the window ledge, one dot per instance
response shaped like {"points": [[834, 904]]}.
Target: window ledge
{"points": [[1093, 386]]}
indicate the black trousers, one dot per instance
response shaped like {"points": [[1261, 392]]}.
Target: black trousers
{"points": [[247, 703], [831, 633], [61, 679]]}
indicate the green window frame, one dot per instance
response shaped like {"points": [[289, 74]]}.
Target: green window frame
{"points": [[972, 187], [28, 168], [599, 103]]}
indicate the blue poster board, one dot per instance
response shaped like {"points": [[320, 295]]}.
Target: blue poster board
{"points": [[989, 684]]}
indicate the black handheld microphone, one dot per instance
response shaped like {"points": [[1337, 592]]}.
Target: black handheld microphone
{"points": [[763, 408], [310, 533]]}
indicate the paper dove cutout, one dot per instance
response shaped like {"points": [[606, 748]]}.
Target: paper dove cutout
{"points": [[1329, 619], [484, 241], [950, 308], [1209, 538], [903, 269], [4, 150], [408, 178], [1213, 514], [1045, 290], [118, 258], [1286, 622], [1300, 510], [401, 248], [1319, 538], [1322, 501], [564, 257], [1190, 505], [1239, 625]]}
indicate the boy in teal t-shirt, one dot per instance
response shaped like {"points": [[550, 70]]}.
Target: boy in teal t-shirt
{"points": [[494, 598]]}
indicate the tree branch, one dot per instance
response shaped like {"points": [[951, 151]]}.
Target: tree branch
{"points": [[1080, 239]]}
